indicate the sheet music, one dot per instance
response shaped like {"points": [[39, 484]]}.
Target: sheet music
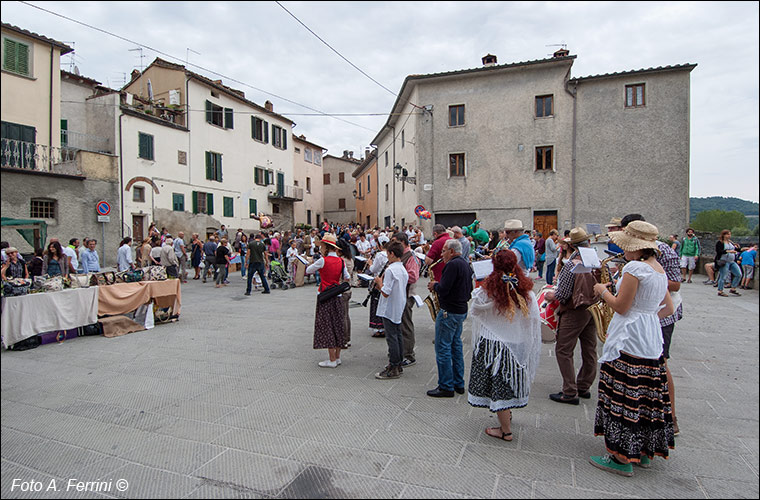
{"points": [[482, 268], [590, 258], [360, 258], [303, 260], [418, 300], [581, 269], [365, 277]]}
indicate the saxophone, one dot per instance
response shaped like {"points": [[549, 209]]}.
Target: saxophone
{"points": [[432, 299], [601, 311]]}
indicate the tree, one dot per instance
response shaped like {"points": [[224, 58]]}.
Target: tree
{"points": [[715, 221]]}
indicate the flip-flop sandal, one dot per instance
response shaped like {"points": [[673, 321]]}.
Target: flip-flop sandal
{"points": [[504, 435]]}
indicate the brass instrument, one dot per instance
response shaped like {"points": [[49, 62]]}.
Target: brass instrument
{"points": [[601, 311], [432, 299]]}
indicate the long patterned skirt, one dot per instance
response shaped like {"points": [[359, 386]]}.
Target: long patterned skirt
{"points": [[329, 324], [634, 412], [375, 321], [507, 388]]}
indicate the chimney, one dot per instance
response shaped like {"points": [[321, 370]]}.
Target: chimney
{"points": [[218, 82], [351, 154], [345, 153], [366, 153], [269, 106], [489, 60], [563, 52], [135, 75], [302, 137]]}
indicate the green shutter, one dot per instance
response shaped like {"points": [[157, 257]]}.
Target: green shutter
{"points": [[218, 176], [64, 133], [266, 131], [23, 59], [209, 112], [142, 146], [209, 167], [16, 57], [210, 204], [195, 202], [255, 175], [228, 118], [253, 127], [10, 48], [229, 209], [284, 139], [252, 208]]}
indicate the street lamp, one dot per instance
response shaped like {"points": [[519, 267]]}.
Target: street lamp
{"points": [[402, 175]]}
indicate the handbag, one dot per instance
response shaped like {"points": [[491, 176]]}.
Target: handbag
{"points": [[16, 287], [79, 280], [333, 291], [154, 273]]}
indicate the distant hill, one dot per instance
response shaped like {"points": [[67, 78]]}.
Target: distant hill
{"points": [[748, 208]]}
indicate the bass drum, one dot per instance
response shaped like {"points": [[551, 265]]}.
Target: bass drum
{"points": [[548, 313]]}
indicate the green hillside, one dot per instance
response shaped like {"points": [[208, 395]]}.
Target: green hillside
{"points": [[748, 208]]}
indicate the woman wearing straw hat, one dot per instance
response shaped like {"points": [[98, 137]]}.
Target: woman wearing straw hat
{"points": [[634, 412], [329, 319]]}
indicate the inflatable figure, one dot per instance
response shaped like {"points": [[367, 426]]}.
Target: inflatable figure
{"points": [[479, 235]]}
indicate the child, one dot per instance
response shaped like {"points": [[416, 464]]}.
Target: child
{"points": [[291, 255], [747, 258], [392, 286]]}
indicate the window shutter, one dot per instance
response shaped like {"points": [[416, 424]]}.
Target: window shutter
{"points": [[252, 208], [142, 153], [266, 132], [210, 204], [253, 127], [209, 167], [195, 202], [10, 48], [209, 112], [228, 118], [284, 139], [64, 133], [218, 167], [255, 175], [22, 59]]}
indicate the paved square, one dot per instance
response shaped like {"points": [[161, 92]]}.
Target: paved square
{"points": [[229, 403]]}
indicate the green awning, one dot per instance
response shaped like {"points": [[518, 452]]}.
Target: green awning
{"points": [[27, 228]]}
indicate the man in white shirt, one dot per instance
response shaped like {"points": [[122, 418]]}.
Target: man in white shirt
{"points": [[392, 287], [364, 246], [71, 252], [124, 260], [181, 253]]}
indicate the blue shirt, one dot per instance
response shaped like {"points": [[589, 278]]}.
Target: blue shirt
{"points": [[522, 245], [90, 261], [748, 257]]}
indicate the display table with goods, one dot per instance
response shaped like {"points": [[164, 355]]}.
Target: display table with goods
{"points": [[112, 304]]}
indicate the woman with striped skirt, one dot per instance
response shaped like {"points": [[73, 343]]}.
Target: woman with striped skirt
{"points": [[634, 412]]}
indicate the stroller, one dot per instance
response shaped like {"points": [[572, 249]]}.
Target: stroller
{"points": [[278, 275]]}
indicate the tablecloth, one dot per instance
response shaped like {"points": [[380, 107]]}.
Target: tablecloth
{"points": [[28, 315], [121, 298]]}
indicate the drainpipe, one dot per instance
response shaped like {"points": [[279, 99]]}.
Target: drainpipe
{"points": [[393, 179], [121, 172], [50, 131], [574, 95], [187, 126]]}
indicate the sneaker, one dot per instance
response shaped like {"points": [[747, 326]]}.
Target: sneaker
{"points": [[338, 361], [408, 362], [708, 282], [389, 373], [607, 463], [328, 364], [644, 462]]}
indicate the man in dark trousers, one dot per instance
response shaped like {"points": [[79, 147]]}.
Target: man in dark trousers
{"points": [[453, 291], [412, 266], [256, 260]]}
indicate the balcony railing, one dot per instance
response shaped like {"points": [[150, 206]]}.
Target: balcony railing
{"points": [[286, 193], [86, 142], [38, 157]]}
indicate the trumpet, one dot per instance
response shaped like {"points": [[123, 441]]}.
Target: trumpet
{"points": [[432, 299]]}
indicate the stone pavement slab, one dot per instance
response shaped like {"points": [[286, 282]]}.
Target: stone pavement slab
{"points": [[229, 402]]}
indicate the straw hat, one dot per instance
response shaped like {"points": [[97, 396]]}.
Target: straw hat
{"points": [[637, 235], [11, 250], [513, 225], [578, 235], [330, 239], [615, 222]]}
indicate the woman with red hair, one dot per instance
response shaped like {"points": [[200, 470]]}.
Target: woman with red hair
{"points": [[506, 342]]}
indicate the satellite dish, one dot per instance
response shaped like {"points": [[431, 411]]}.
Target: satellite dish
{"points": [[150, 90]]}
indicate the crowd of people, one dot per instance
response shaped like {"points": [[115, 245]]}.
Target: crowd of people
{"points": [[635, 410]]}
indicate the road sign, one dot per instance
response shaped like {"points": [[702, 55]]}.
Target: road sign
{"points": [[104, 218], [103, 208]]}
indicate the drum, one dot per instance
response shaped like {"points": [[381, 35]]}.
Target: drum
{"points": [[548, 313]]}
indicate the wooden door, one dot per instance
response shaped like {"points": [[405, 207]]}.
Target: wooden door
{"points": [[543, 222], [137, 228]]}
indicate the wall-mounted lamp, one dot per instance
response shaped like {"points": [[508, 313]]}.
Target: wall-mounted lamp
{"points": [[402, 174]]}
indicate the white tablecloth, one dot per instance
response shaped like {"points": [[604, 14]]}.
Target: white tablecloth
{"points": [[29, 315]]}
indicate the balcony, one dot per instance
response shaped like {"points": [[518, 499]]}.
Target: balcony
{"points": [[86, 142], [38, 157], [286, 193]]}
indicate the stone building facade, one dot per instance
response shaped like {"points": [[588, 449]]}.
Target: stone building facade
{"points": [[338, 186]]}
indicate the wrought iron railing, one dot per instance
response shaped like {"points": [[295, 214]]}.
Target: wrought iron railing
{"points": [[38, 157], [286, 192]]}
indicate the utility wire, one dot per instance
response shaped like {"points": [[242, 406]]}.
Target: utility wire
{"points": [[194, 65], [342, 57]]}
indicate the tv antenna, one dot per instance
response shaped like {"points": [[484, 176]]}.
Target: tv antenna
{"points": [[141, 56], [563, 45]]}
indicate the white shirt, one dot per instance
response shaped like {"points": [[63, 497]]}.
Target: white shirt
{"points": [[363, 246], [124, 259], [394, 285], [72, 255], [291, 254], [381, 258], [321, 263]]}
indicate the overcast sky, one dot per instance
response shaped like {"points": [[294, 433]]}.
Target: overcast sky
{"points": [[262, 47]]}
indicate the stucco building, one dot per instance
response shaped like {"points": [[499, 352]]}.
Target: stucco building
{"points": [[365, 190], [307, 172], [339, 202], [527, 141]]}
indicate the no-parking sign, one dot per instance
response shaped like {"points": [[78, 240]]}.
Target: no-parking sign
{"points": [[103, 208]]}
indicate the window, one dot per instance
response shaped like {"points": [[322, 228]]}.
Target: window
{"points": [[386, 158], [213, 166], [275, 208], [327, 179], [341, 203], [368, 184], [16, 57], [178, 202], [360, 191], [544, 106], [341, 178], [252, 208], [402, 142], [456, 115], [308, 217], [308, 184], [20, 140], [260, 176], [138, 193], [634, 95], [386, 192], [279, 137], [259, 129], [307, 155], [203, 203], [270, 177], [145, 146], [217, 115], [64, 133], [182, 157], [228, 206], [297, 150], [456, 165], [42, 209], [544, 157], [317, 158]]}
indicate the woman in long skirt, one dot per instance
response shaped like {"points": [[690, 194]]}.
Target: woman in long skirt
{"points": [[329, 319], [506, 342], [634, 412], [379, 261]]}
